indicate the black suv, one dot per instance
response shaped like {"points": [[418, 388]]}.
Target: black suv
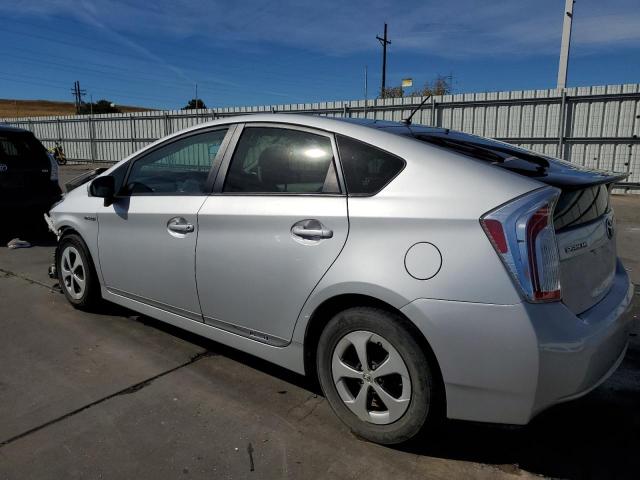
{"points": [[28, 177]]}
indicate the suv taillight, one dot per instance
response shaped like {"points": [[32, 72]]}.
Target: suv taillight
{"points": [[54, 168], [523, 235]]}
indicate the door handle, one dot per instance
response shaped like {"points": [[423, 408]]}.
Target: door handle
{"points": [[311, 230], [180, 225]]}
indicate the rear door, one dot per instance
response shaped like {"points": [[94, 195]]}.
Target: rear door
{"points": [[275, 224], [147, 237]]}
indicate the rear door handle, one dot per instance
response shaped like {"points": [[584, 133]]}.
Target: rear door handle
{"points": [[311, 229], [180, 225]]}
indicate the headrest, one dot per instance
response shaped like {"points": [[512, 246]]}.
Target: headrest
{"points": [[275, 167]]}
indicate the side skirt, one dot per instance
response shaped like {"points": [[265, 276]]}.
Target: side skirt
{"points": [[290, 356]]}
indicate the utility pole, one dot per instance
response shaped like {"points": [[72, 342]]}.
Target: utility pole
{"points": [[197, 103], [384, 42], [566, 43], [78, 93], [366, 82], [366, 87]]}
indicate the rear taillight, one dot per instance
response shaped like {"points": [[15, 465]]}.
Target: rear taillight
{"points": [[54, 167], [523, 235]]}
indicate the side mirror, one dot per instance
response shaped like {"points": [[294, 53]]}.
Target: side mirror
{"points": [[104, 187]]}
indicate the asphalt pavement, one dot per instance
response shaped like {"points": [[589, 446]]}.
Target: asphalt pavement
{"points": [[118, 395]]}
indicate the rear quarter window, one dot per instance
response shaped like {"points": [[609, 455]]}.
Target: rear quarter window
{"points": [[367, 169]]}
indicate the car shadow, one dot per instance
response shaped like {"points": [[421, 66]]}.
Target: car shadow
{"points": [[594, 437], [597, 436], [211, 346]]}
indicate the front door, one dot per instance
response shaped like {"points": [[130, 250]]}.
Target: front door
{"points": [[147, 238], [270, 232]]}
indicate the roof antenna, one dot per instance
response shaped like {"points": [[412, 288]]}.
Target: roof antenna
{"points": [[407, 121]]}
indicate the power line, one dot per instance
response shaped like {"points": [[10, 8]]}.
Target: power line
{"points": [[32, 80], [72, 44], [234, 71]]}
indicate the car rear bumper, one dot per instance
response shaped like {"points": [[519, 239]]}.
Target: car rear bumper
{"points": [[507, 363], [575, 360], [37, 201]]}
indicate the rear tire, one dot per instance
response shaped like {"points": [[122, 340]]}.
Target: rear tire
{"points": [[76, 273], [391, 399]]}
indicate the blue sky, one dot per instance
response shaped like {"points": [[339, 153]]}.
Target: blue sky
{"points": [[152, 53]]}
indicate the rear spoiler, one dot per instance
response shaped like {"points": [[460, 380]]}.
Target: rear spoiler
{"points": [[576, 179]]}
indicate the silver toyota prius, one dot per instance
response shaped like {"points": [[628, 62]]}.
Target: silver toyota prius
{"points": [[415, 272]]}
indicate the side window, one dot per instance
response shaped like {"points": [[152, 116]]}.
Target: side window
{"points": [[367, 169], [8, 147], [180, 168], [279, 160]]}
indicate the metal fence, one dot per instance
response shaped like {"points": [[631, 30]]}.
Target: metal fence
{"points": [[594, 126]]}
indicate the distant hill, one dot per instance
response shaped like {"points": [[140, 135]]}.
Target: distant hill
{"points": [[42, 108]]}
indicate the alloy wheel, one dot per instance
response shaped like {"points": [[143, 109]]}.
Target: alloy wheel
{"points": [[73, 272], [371, 377]]}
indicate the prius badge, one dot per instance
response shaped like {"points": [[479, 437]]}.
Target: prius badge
{"points": [[575, 247]]}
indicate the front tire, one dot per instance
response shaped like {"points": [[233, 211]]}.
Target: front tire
{"points": [[76, 273], [375, 376]]}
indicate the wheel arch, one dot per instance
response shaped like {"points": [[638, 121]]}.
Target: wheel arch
{"points": [[324, 312], [68, 230], [64, 231]]}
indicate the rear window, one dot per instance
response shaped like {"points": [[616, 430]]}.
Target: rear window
{"points": [[367, 169], [577, 207], [19, 145]]}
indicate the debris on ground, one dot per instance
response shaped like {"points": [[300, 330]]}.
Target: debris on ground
{"points": [[17, 243], [252, 466]]}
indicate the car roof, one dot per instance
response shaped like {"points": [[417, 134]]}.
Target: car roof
{"points": [[335, 124], [400, 128]]}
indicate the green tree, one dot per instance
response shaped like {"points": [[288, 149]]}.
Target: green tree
{"points": [[441, 85], [101, 106], [194, 103], [392, 92]]}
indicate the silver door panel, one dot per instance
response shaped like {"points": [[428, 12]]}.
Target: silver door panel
{"points": [[153, 264], [252, 271]]}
